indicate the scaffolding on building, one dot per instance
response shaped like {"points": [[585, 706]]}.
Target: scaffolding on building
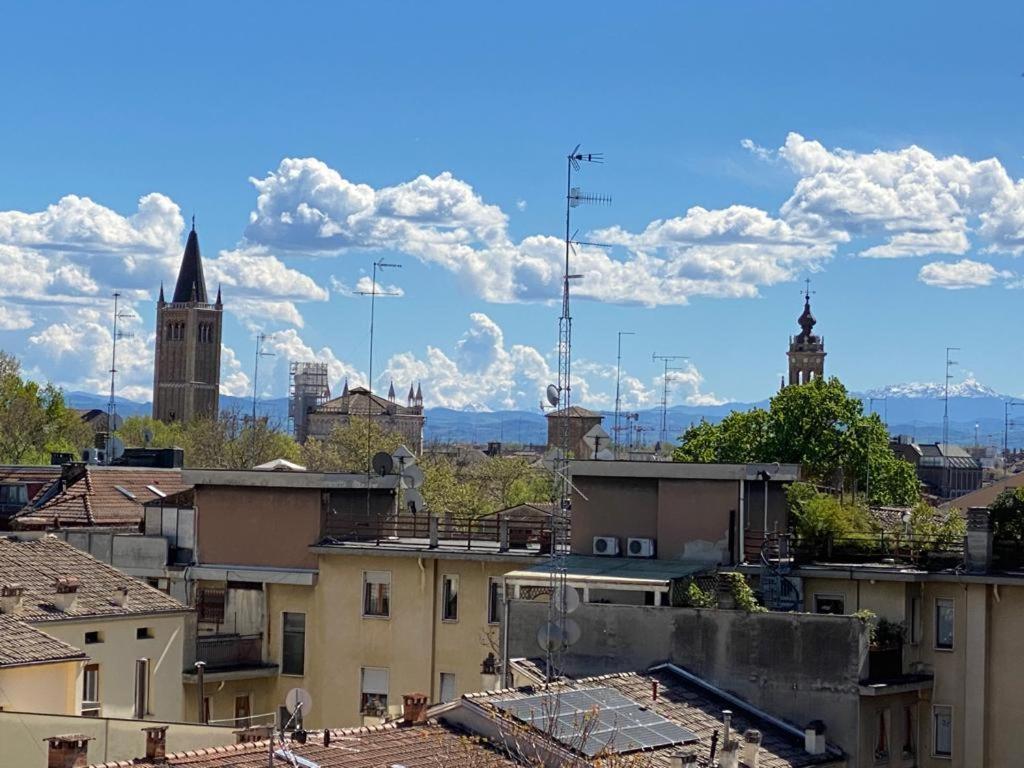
{"points": [[308, 388]]}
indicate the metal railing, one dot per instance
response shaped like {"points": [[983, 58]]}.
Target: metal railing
{"points": [[487, 532], [230, 651], [930, 553]]}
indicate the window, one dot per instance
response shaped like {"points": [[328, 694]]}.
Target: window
{"points": [[91, 690], [144, 633], [13, 494], [243, 713], [495, 596], [942, 730], [91, 638], [293, 644], [211, 604], [143, 685], [909, 730], [373, 697], [882, 736], [450, 598], [377, 593], [944, 615], [915, 620], [834, 604], [448, 687]]}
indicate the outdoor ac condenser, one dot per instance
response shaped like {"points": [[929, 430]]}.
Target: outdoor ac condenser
{"points": [[640, 548], [606, 545]]}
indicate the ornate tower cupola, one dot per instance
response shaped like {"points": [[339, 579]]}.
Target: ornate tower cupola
{"points": [[806, 350], [186, 375]]}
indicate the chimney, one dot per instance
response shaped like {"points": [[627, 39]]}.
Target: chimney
{"points": [[684, 758], [66, 593], [254, 733], [120, 597], [978, 553], [414, 708], [654, 690], [70, 751], [156, 743], [10, 597], [814, 738], [751, 755], [730, 756]]}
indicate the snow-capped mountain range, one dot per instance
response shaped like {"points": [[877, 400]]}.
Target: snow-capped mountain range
{"points": [[969, 387]]}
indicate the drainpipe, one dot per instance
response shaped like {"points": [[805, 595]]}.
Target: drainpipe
{"points": [[505, 677], [200, 709], [743, 523]]}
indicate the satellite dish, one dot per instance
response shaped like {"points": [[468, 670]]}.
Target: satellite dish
{"points": [[571, 632], [404, 456], [567, 599], [382, 463], [116, 448], [549, 637], [412, 477], [298, 700], [414, 501], [552, 394]]}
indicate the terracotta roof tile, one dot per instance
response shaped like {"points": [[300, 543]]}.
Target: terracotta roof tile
{"points": [[36, 564], [22, 644]]}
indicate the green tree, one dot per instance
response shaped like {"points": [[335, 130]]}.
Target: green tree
{"points": [[817, 425], [34, 419], [145, 431], [1008, 517], [349, 447], [505, 481]]}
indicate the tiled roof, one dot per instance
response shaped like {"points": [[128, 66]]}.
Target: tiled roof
{"points": [[421, 746], [540, 511], [22, 644], [575, 412], [94, 498], [692, 707], [37, 563], [359, 401]]}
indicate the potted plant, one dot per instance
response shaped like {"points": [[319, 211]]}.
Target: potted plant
{"points": [[885, 653]]}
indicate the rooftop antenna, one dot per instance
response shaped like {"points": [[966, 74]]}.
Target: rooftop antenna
{"points": [[669, 369], [116, 335], [618, 386], [561, 399], [945, 418], [260, 352]]}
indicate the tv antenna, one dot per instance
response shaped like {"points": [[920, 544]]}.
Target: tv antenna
{"points": [[666, 377], [945, 418], [618, 384], [260, 352], [116, 335], [559, 397]]}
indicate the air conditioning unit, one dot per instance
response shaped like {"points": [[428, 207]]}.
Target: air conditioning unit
{"points": [[606, 545], [640, 548]]}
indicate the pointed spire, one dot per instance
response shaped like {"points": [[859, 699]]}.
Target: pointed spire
{"points": [[391, 392], [419, 394], [344, 392], [412, 395], [219, 302], [161, 299], [190, 274]]}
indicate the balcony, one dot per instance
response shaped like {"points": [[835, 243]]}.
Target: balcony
{"points": [[231, 657], [929, 554]]}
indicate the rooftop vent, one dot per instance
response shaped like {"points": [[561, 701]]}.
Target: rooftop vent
{"points": [[11, 596], [66, 593], [156, 743], [71, 751], [120, 597]]}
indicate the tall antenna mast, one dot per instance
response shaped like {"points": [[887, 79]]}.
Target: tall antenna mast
{"points": [[666, 359], [618, 380], [945, 419], [116, 335], [560, 397], [260, 352]]}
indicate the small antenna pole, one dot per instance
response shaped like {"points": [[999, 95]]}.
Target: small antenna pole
{"points": [[260, 352], [116, 335], [669, 369], [945, 419], [618, 387]]}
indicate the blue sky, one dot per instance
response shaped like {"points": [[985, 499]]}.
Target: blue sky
{"points": [[875, 147]]}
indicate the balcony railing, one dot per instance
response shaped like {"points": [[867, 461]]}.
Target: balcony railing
{"points": [[929, 553], [230, 651], [492, 532]]}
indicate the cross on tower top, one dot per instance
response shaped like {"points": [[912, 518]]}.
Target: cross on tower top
{"points": [[807, 289]]}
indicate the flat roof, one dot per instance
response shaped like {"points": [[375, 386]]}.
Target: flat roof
{"points": [[615, 569], [446, 549], [263, 478], [676, 470]]}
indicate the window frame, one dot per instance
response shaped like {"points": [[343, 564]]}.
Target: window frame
{"points": [[836, 596], [450, 598], [454, 687], [935, 731], [378, 711], [93, 671], [97, 637], [207, 610], [914, 611], [368, 581], [952, 629], [495, 599], [284, 634], [144, 633]]}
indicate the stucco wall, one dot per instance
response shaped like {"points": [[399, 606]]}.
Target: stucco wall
{"points": [[797, 666], [41, 688], [116, 656]]}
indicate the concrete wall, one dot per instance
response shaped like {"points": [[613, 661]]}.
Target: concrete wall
{"points": [[266, 527], [693, 519], [22, 735], [116, 656], [41, 688], [797, 666]]}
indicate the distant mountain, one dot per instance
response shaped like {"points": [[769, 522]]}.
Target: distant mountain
{"points": [[913, 409]]}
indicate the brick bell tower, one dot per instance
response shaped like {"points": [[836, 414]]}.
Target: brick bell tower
{"points": [[186, 369], [806, 350]]}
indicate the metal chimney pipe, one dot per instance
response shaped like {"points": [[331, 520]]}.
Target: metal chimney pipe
{"points": [[141, 688], [200, 693]]}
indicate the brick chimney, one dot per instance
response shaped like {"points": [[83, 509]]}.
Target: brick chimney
{"points": [[66, 593], [978, 553], [71, 751], [10, 597], [156, 743], [414, 708], [750, 754], [814, 737], [120, 596]]}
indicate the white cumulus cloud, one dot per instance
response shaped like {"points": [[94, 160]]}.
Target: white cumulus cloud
{"points": [[961, 274]]}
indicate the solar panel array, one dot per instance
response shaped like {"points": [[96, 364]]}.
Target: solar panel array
{"points": [[596, 720]]}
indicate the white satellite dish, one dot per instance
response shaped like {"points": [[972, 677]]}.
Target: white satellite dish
{"points": [[549, 637], [605, 455], [404, 456], [414, 501], [298, 701], [552, 395], [412, 477], [571, 632], [116, 448], [566, 598]]}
